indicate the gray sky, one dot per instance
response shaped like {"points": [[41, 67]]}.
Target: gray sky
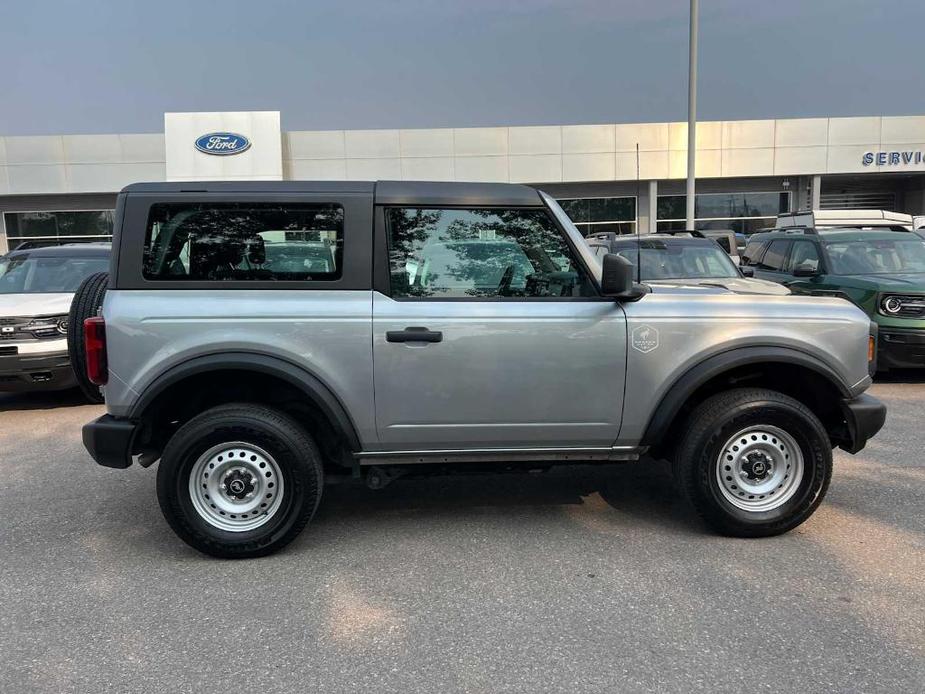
{"points": [[88, 66]]}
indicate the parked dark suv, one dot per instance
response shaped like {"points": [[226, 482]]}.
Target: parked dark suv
{"points": [[882, 272]]}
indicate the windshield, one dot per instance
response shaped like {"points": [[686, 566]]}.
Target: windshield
{"points": [[28, 274], [877, 256], [666, 261]]}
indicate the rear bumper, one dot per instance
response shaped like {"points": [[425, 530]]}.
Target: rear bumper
{"points": [[864, 416], [900, 349], [29, 372], [109, 440]]}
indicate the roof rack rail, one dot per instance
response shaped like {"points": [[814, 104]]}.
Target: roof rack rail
{"points": [[607, 235], [795, 230], [693, 232]]}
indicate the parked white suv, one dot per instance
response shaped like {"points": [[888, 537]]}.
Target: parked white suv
{"points": [[36, 289]]}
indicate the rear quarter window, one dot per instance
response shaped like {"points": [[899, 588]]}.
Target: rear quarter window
{"points": [[244, 242], [752, 252]]}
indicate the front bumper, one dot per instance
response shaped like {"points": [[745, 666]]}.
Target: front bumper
{"points": [[29, 371], [864, 416], [109, 440], [900, 348]]}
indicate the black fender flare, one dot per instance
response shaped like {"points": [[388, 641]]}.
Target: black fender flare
{"points": [[686, 384], [314, 388]]}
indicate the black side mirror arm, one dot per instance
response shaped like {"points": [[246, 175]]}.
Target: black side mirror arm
{"points": [[634, 293]]}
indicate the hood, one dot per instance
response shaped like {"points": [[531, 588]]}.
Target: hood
{"points": [[908, 281], [739, 285], [16, 305]]}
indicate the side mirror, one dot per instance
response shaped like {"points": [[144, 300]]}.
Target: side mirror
{"points": [[747, 270], [617, 279], [806, 269]]}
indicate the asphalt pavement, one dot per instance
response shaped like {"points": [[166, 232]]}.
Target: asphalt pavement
{"points": [[589, 579]]}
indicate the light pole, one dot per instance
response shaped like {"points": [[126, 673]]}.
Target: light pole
{"points": [[692, 116]]}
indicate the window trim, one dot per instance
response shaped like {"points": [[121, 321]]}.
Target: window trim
{"points": [[383, 280]]}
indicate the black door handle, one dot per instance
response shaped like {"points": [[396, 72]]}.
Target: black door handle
{"points": [[414, 335]]}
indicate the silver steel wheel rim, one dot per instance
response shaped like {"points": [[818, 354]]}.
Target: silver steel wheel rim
{"points": [[236, 486], [760, 468]]}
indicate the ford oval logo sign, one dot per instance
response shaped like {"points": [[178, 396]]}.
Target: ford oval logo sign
{"points": [[222, 144]]}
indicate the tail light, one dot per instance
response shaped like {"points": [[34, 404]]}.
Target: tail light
{"points": [[95, 344]]}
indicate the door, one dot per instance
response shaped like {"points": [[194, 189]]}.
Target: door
{"points": [[491, 334]]}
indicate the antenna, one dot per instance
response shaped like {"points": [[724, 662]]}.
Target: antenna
{"points": [[638, 250]]}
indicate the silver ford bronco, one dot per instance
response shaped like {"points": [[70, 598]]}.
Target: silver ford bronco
{"points": [[258, 337]]}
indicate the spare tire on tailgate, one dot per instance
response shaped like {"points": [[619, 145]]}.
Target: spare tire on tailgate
{"points": [[86, 303]]}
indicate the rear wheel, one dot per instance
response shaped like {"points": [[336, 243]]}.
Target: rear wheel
{"points": [[86, 303], [754, 462], [239, 481]]}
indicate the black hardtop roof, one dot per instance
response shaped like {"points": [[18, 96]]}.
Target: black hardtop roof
{"points": [[421, 193], [74, 250]]}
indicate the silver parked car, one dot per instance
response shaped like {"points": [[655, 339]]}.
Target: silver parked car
{"points": [[36, 289], [449, 324]]}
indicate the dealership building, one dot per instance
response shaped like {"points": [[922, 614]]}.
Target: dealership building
{"points": [[63, 187]]}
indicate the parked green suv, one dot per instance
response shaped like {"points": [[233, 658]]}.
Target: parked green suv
{"points": [[883, 272]]}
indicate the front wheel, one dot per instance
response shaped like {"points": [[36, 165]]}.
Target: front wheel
{"points": [[239, 481], [754, 462]]}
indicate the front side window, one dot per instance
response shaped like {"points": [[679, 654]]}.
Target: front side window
{"points": [[480, 253], [244, 242]]}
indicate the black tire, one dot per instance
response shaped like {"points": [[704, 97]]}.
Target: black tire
{"points": [[86, 303], [293, 451], [714, 423]]}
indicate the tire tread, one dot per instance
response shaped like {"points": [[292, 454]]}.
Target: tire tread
{"points": [[287, 428], [696, 442], [86, 303]]}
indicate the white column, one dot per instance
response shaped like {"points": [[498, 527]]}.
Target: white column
{"points": [[653, 206], [816, 192]]}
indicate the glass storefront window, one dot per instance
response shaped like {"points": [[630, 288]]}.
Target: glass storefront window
{"points": [[46, 228], [741, 212], [740, 226], [725, 205], [602, 214]]}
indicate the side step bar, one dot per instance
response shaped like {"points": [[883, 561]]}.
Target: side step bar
{"points": [[501, 455]]}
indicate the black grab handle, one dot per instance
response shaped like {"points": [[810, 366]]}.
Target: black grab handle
{"points": [[414, 335]]}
